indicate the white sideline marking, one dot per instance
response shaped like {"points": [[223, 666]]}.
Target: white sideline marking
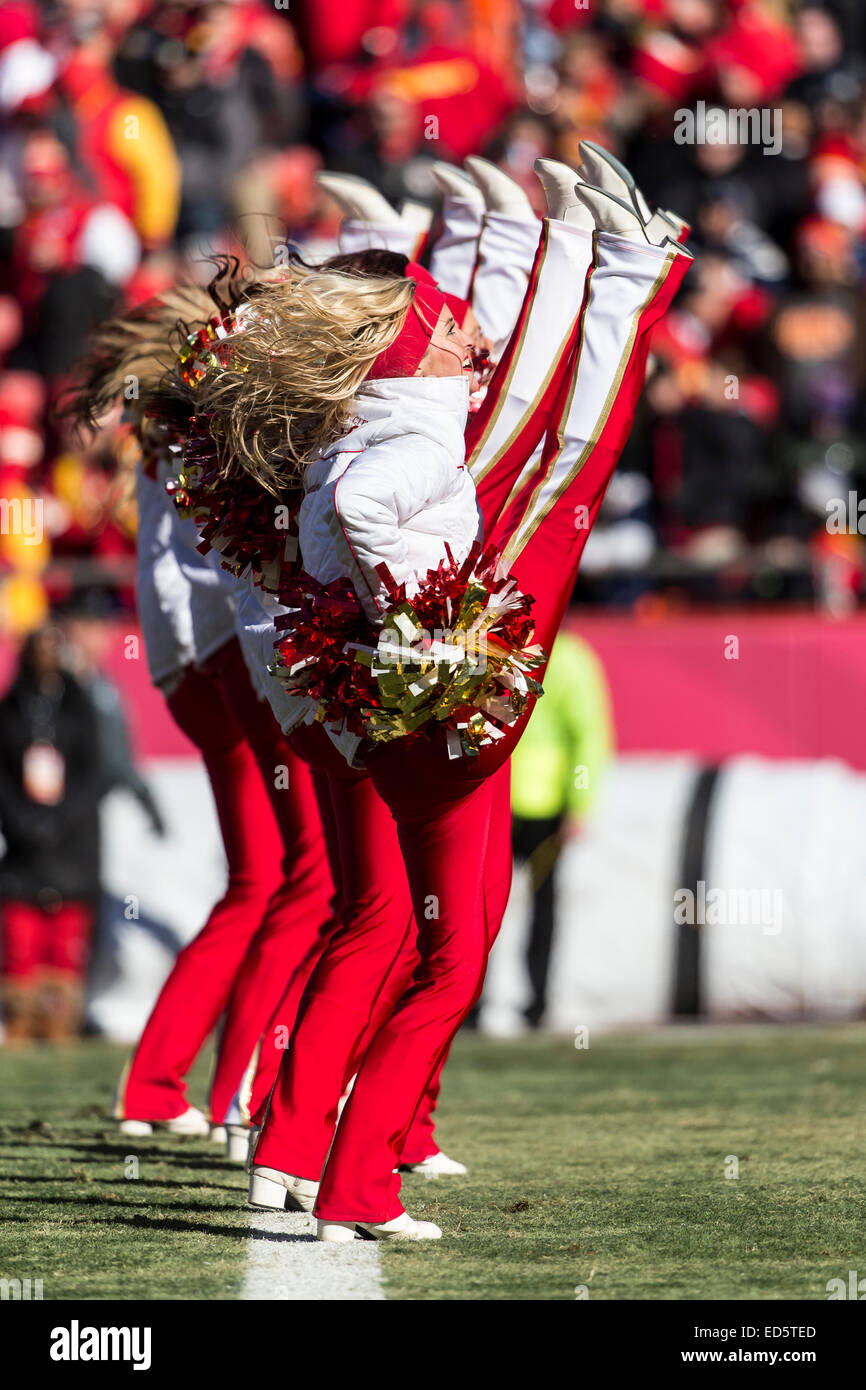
{"points": [[285, 1262]]}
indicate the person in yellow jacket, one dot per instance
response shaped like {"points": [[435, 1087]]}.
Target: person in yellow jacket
{"points": [[556, 772], [123, 144]]}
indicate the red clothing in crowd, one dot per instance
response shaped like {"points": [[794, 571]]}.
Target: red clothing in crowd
{"points": [[47, 242], [124, 144], [750, 59], [332, 31], [460, 101]]}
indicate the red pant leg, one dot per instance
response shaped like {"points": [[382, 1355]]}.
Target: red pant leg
{"points": [[443, 839], [67, 937], [271, 982], [196, 991], [312, 745], [420, 1141], [287, 776], [269, 985], [299, 917], [267, 1057], [336, 1008], [22, 940]]}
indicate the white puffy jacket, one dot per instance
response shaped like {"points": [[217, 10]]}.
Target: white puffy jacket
{"points": [[185, 608], [162, 592], [392, 491]]}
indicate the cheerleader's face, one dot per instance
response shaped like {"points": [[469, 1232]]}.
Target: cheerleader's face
{"points": [[449, 353], [481, 348]]}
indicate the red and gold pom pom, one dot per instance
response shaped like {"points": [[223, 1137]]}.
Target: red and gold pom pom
{"points": [[206, 350], [252, 530], [455, 654]]}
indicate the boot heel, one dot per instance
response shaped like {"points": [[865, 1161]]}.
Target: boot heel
{"points": [[252, 1139], [266, 1193], [237, 1143], [135, 1129], [336, 1230]]}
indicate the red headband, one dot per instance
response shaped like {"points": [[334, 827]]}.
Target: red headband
{"points": [[414, 271], [403, 357], [459, 308]]}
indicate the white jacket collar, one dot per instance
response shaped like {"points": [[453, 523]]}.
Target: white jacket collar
{"points": [[434, 406], [448, 395]]}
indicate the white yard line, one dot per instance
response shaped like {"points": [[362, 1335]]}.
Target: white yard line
{"points": [[286, 1263]]}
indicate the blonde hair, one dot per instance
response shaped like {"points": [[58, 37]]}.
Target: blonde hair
{"points": [[283, 385], [293, 367], [132, 359]]}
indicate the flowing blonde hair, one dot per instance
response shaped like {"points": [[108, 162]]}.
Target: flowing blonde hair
{"points": [[287, 375], [132, 358], [294, 366]]}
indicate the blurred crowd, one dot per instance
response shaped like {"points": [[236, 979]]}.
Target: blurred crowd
{"points": [[137, 138]]}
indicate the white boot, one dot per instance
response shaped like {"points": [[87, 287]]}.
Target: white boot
{"points": [[437, 1165], [281, 1191], [660, 229], [191, 1122], [681, 227], [558, 182], [456, 183], [501, 193], [218, 1134], [603, 170], [237, 1143], [611, 214], [402, 1227], [416, 216], [359, 199], [252, 1139], [135, 1129]]}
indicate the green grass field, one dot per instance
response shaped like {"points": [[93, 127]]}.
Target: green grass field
{"points": [[603, 1168]]}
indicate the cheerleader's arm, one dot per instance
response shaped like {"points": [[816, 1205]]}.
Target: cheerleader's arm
{"points": [[506, 432], [455, 254], [356, 235], [506, 254], [369, 222], [630, 287]]}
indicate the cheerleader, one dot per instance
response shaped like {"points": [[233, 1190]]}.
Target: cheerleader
{"points": [[182, 591], [390, 508], [277, 903], [498, 261], [374, 903], [300, 1104]]}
